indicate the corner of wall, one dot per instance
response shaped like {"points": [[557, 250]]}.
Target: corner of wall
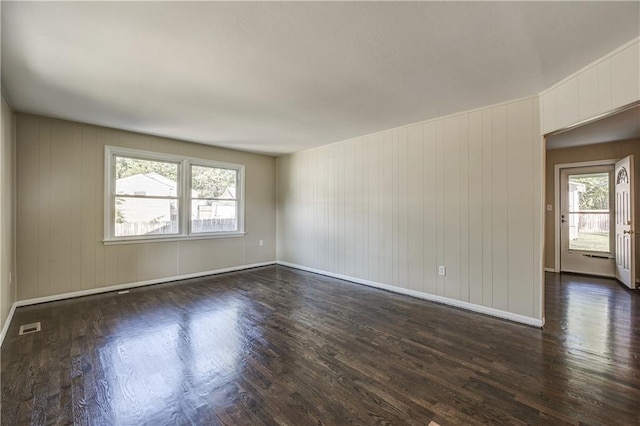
{"points": [[7, 216]]}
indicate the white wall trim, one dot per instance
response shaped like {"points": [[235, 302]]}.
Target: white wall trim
{"points": [[556, 196], [7, 322], [592, 64], [118, 287], [426, 296], [549, 270]]}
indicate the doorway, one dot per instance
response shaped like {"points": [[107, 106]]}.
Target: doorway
{"points": [[586, 211]]}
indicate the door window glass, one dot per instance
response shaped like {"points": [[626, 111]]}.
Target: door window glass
{"points": [[589, 214]]}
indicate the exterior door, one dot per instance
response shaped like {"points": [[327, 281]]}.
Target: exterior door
{"points": [[625, 220], [586, 234]]}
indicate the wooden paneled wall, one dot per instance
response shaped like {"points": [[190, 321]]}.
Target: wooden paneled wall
{"points": [[609, 83], [7, 241], [60, 211], [463, 191]]}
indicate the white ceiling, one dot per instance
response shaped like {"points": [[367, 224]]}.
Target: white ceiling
{"points": [[281, 77]]}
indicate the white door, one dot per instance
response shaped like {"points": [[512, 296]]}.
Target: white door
{"points": [[625, 220], [586, 231]]}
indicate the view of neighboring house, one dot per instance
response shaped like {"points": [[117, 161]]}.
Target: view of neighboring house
{"points": [[150, 210], [203, 209], [139, 213]]}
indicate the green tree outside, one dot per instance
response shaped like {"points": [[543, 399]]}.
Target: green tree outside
{"points": [[209, 182], [596, 194]]}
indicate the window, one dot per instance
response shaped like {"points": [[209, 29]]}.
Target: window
{"points": [[589, 213], [214, 202], [156, 196]]}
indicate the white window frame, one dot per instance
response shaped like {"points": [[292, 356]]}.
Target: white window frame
{"points": [[183, 191]]}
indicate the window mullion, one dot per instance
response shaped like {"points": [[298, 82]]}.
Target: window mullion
{"points": [[112, 194], [185, 220], [240, 196]]}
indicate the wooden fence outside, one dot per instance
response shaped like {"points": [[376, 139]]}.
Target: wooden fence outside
{"points": [[594, 223], [163, 228]]}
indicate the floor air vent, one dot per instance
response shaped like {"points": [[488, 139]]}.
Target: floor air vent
{"points": [[29, 328]]}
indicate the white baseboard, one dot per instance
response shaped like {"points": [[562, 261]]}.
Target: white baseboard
{"points": [[549, 270], [7, 322], [535, 322], [119, 287]]}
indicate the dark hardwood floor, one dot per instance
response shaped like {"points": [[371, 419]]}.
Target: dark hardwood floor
{"points": [[275, 345]]}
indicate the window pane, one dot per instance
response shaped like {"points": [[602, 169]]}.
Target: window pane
{"points": [[145, 216], [589, 232], [214, 216], [145, 177], [212, 182], [589, 192]]}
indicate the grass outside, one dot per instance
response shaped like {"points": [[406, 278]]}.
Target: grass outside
{"points": [[590, 242]]}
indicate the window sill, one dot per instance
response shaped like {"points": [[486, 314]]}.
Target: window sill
{"points": [[172, 238]]}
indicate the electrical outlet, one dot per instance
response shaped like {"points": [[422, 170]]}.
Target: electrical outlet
{"points": [[261, 242], [442, 270], [549, 207]]}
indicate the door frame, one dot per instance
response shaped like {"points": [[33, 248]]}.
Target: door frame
{"points": [[557, 195]]}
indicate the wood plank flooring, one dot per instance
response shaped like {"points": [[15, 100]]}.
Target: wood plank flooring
{"points": [[275, 345]]}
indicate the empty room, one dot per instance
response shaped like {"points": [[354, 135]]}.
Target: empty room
{"points": [[292, 213]]}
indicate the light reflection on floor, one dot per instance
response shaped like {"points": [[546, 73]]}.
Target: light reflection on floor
{"points": [[591, 311], [203, 348], [216, 343], [587, 326], [134, 359], [595, 314]]}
